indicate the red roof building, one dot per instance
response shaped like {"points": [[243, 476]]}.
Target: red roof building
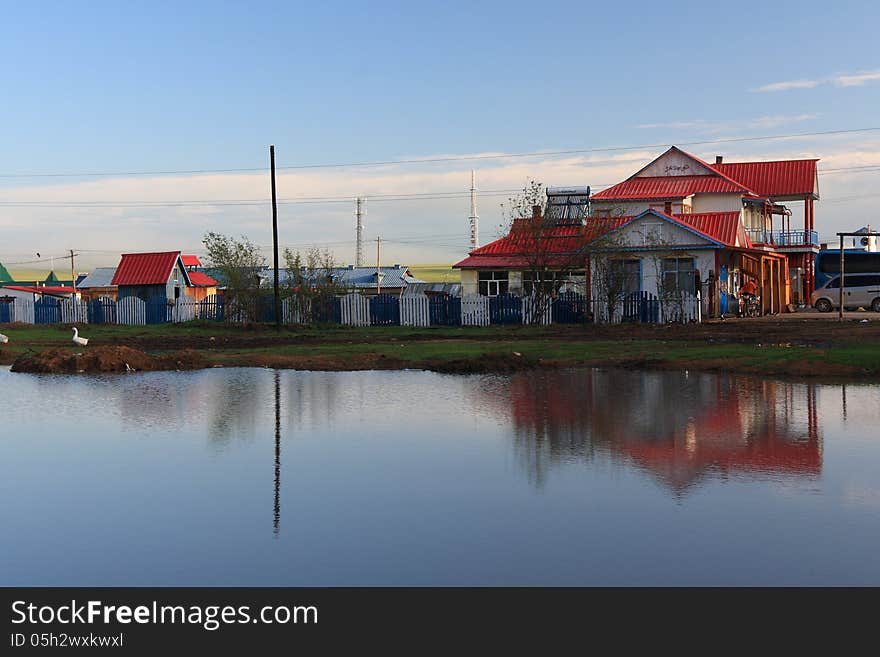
{"points": [[151, 275], [690, 207], [200, 279]]}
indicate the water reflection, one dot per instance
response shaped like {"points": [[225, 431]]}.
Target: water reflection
{"points": [[680, 427], [417, 478], [276, 510]]}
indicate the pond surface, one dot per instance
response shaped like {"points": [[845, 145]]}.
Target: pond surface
{"points": [[261, 477]]}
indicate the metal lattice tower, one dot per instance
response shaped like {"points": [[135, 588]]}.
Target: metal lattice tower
{"points": [[359, 250], [474, 219]]}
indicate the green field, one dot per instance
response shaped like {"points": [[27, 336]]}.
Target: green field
{"points": [[503, 348], [436, 273]]}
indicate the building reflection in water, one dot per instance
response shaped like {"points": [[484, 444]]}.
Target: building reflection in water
{"points": [[678, 426]]}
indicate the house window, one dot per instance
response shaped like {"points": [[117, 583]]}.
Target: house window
{"points": [[554, 281], [492, 283], [678, 275], [626, 276]]}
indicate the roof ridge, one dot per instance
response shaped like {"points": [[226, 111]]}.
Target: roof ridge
{"points": [[711, 168]]}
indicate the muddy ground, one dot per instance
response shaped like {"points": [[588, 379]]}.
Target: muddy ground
{"points": [[105, 359]]}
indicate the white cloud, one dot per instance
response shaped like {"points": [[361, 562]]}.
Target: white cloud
{"points": [[856, 80], [840, 80], [791, 84], [413, 231]]}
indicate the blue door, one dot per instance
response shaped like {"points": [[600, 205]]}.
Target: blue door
{"points": [[722, 279]]}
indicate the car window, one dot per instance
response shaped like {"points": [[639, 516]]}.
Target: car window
{"points": [[861, 280]]}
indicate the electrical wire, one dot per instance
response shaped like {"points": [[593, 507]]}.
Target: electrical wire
{"points": [[433, 160]]}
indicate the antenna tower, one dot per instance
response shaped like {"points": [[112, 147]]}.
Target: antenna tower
{"points": [[474, 219], [359, 251]]}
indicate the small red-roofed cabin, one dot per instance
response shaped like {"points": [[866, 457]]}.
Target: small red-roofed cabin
{"points": [[202, 286], [151, 275]]}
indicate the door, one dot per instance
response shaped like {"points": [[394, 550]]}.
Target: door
{"points": [[723, 279]]}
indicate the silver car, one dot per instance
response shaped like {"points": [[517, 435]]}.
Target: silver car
{"points": [[860, 291]]}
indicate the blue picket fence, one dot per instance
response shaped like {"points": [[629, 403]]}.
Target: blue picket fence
{"points": [[571, 308], [211, 308], [356, 310], [641, 307], [101, 311], [505, 309], [384, 310], [47, 311], [444, 310]]}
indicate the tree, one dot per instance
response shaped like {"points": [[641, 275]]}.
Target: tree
{"points": [[551, 247], [558, 245], [240, 262], [310, 284]]}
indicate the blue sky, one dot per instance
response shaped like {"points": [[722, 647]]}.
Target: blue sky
{"points": [[159, 86]]}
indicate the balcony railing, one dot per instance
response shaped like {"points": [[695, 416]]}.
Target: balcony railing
{"points": [[783, 237]]}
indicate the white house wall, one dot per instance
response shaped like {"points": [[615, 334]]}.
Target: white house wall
{"points": [[717, 202], [469, 283], [675, 164], [653, 231]]}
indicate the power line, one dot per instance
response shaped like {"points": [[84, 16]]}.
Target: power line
{"points": [[252, 202], [433, 160], [310, 200]]}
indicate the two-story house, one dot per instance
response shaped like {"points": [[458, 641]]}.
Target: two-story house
{"points": [[676, 219]]}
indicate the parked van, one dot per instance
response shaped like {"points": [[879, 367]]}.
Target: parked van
{"points": [[860, 291]]}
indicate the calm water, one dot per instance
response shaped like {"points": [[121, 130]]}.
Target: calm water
{"points": [[257, 477]]}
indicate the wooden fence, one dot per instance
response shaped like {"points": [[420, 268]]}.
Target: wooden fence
{"points": [[357, 310]]}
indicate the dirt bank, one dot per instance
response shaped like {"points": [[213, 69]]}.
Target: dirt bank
{"points": [[106, 359]]}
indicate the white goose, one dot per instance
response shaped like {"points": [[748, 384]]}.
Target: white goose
{"points": [[3, 339], [82, 342]]}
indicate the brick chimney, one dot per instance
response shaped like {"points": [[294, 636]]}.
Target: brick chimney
{"points": [[719, 159], [536, 212]]}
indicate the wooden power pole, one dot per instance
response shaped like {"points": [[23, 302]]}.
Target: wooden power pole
{"points": [[275, 240]]}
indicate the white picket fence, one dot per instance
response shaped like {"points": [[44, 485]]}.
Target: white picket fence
{"points": [[415, 310], [22, 310], [681, 311], [531, 308], [474, 310], [355, 310], [295, 311], [132, 311]]}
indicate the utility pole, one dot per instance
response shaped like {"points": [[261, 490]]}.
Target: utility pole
{"points": [[72, 273], [73, 282], [378, 271], [359, 249], [275, 239]]}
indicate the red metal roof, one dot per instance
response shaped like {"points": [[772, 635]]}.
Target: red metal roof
{"points": [[198, 279], [724, 227], [777, 178], [509, 251], [191, 261], [669, 187], [145, 268]]}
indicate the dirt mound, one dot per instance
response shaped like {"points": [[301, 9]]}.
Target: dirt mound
{"points": [[106, 359], [484, 364]]}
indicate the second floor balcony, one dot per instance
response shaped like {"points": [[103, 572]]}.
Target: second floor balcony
{"points": [[783, 237]]}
